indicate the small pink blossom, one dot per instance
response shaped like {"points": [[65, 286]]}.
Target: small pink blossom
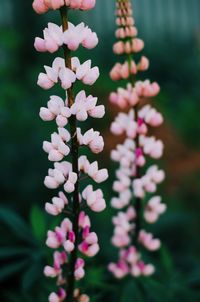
{"points": [[154, 209], [79, 272], [69, 186], [137, 45], [146, 239], [92, 170], [94, 199], [57, 148], [86, 106], [91, 138], [87, 74], [57, 205], [80, 34], [58, 297], [119, 270]]}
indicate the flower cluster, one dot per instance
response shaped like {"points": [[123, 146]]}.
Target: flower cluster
{"points": [[60, 73], [136, 180], [54, 37], [73, 239], [42, 6]]}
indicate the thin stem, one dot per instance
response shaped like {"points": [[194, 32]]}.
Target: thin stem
{"points": [[138, 201], [74, 155]]}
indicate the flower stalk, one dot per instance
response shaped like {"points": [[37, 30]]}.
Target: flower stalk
{"points": [[132, 185], [74, 154], [73, 238]]}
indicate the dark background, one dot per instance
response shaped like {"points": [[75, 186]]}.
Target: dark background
{"points": [[171, 30]]}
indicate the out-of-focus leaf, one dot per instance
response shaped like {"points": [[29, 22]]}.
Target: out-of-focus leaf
{"points": [[95, 277], [132, 292], [166, 259], [12, 268], [16, 224], [31, 275], [18, 297], [38, 223], [156, 290], [14, 251], [194, 277]]}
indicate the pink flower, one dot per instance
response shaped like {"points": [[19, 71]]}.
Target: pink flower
{"points": [[125, 123], [84, 220], [154, 209], [57, 148], [53, 39], [87, 74], [146, 239], [92, 170], [80, 34], [119, 270], [151, 116], [56, 109], [137, 45], [57, 205], [40, 7], [124, 97], [143, 64], [44, 81], [57, 71], [79, 269], [142, 269], [123, 226], [86, 106], [122, 201], [71, 181], [89, 246], [94, 199], [57, 176], [58, 297], [118, 48], [91, 138], [87, 4]]}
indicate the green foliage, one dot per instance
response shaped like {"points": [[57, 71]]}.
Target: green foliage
{"points": [[38, 224], [132, 291], [16, 224]]}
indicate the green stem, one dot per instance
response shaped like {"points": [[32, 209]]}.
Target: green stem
{"points": [[74, 155], [137, 200]]}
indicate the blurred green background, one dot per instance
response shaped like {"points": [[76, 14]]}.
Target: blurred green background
{"points": [[171, 29]]}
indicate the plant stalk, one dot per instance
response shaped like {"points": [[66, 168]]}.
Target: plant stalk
{"points": [[74, 155]]}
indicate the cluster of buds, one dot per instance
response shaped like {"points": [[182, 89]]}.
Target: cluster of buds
{"points": [[72, 239], [59, 72], [54, 37], [43, 6], [131, 185]]}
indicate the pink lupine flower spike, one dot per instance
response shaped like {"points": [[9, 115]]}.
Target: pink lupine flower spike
{"points": [[73, 238], [131, 185]]}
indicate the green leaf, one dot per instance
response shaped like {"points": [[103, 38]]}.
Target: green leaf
{"points": [[31, 275], [166, 259], [132, 292], [156, 290], [19, 227], [38, 223], [12, 268], [95, 277], [11, 252], [194, 277]]}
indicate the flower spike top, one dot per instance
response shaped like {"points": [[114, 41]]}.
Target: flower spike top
{"points": [[73, 238], [43, 6], [136, 182]]}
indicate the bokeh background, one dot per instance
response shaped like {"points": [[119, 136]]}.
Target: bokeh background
{"points": [[171, 30]]}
